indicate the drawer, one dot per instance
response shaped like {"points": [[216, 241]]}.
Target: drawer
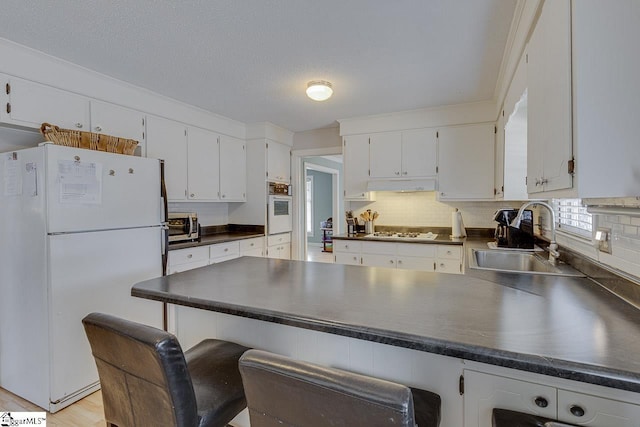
{"points": [[415, 263], [379, 248], [188, 255], [224, 250], [450, 252], [251, 244], [350, 246], [416, 250], [277, 239]]}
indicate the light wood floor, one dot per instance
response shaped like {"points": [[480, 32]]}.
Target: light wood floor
{"points": [[84, 413], [315, 254]]}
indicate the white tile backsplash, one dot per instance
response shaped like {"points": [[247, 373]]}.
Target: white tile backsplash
{"points": [[625, 238], [421, 209], [208, 213]]}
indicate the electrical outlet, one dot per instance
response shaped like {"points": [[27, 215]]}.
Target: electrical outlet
{"points": [[603, 237]]}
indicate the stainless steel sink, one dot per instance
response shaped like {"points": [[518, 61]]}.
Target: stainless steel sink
{"points": [[518, 262]]}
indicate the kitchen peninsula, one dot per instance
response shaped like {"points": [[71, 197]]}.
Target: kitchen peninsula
{"points": [[565, 334]]}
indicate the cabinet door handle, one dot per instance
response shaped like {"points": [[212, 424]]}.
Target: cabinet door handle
{"points": [[192, 195], [404, 173], [391, 261], [79, 125], [355, 258], [576, 410], [98, 129], [399, 261], [397, 173], [541, 402]]}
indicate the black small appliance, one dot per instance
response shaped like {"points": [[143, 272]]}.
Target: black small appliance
{"points": [[512, 237]]}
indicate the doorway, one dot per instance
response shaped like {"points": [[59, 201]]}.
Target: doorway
{"points": [[319, 205]]}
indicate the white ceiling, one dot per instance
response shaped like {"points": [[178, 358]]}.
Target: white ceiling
{"points": [[250, 60]]}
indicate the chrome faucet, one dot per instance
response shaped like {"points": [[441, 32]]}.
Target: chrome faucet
{"points": [[553, 246]]}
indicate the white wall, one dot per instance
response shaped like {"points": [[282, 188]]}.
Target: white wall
{"points": [[318, 138]]}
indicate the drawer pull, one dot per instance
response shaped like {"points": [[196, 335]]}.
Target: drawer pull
{"points": [[391, 261], [252, 244], [577, 411], [190, 256], [399, 261], [541, 402], [226, 249]]}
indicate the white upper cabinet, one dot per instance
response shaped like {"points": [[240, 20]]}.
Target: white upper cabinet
{"points": [[110, 119], [419, 153], [278, 162], [606, 97], [406, 154], [549, 127], [355, 151], [466, 162], [30, 104], [385, 155], [203, 157], [167, 140], [233, 169]]}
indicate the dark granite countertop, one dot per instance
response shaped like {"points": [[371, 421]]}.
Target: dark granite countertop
{"points": [[221, 234], [567, 327]]}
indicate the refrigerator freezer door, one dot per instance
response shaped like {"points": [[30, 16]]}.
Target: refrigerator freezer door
{"points": [[93, 190], [94, 272]]}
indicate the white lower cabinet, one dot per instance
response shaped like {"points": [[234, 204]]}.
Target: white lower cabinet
{"points": [[347, 252], [406, 256], [585, 410], [223, 252], [252, 247], [279, 246], [485, 391], [187, 259]]}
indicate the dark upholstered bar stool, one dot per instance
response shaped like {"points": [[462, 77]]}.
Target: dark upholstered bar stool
{"points": [[506, 418], [285, 392], [147, 380]]}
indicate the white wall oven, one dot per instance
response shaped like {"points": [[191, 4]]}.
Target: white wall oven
{"points": [[279, 209]]}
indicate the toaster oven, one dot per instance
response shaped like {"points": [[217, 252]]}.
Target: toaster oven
{"points": [[183, 226]]}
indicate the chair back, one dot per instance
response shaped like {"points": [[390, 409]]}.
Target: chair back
{"points": [[284, 392], [143, 373]]}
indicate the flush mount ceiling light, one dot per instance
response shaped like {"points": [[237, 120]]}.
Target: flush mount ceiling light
{"points": [[319, 90]]}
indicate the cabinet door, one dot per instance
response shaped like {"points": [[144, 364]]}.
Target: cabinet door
{"points": [[233, 169], [346, 258], [585, 410], [379, 260], [30, 104], [419, 153], [355, 151], [203, 158], [483, 392], [278, 162], [167, 140], [549, 119], [466, 156], [111, 119], [415, 263], [385, 155], [498, 177]]}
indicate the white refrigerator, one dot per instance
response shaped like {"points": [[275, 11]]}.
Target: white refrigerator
{"points": [[78, 229]]}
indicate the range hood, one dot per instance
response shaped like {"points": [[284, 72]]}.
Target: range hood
{"points": [[401, 185]]}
